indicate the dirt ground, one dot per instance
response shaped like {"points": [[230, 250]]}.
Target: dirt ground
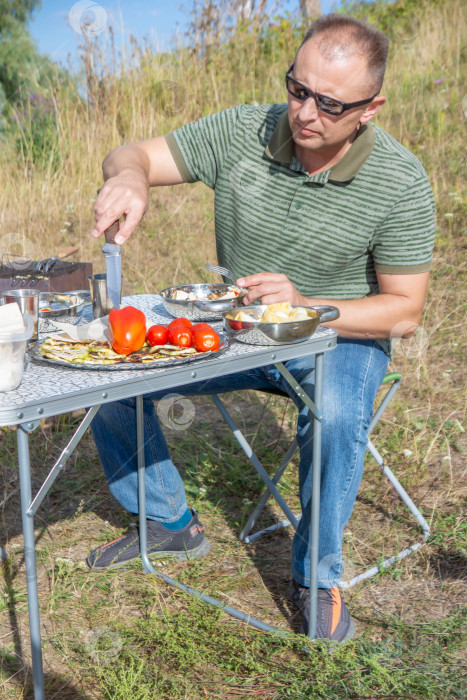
{"points": [[79, 513]]}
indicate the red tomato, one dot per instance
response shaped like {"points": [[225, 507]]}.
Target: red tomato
{"points": [[157, 335], [180, 322], [127, 330], [197, 326], [205, 339], [181, 336]]}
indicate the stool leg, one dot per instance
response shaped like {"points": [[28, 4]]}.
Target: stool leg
{"points": [[246, 447], [405, 498], [382, 407], [267, 494]]}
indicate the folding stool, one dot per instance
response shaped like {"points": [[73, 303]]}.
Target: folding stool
{"points": [[394, 380]]}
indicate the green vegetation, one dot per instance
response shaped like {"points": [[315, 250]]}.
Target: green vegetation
{"points": [[122, 634]]}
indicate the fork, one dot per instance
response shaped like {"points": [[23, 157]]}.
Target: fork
{"points": [[224, 271]]}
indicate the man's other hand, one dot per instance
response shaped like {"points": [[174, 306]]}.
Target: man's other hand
{"points": [[271, 288]]}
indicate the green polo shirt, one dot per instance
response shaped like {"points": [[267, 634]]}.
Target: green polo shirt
{"points": [[330, 232]]}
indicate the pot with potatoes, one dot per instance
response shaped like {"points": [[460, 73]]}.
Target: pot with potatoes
{"points": [[276, 324]]}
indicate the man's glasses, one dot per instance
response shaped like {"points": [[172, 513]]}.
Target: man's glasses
{"points": [[325, 104]]}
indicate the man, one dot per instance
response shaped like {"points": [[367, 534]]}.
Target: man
{"points": [[313, 205]]}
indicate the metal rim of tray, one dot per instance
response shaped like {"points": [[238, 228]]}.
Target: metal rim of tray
{"points": [[225, 342]]}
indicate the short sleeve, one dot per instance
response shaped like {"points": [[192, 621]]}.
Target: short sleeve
{"points": [[200, 148], [403, 243]]}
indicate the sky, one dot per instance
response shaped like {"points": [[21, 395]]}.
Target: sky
{"points": [[56, 26]]}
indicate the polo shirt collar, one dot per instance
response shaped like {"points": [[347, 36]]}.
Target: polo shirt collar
{"points": [[281, 148]]}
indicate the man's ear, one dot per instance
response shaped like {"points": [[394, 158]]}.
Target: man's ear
{"points": [[372, 109]]}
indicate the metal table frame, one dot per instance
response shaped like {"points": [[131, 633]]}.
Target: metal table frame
{"points": [[25, 412]]}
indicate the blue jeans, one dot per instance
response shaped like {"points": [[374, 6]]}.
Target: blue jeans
{"points": [[353, 372]]}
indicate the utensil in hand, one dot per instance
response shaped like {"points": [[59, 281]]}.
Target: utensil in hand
{"points": [[224, 271], [28, 302], [113, 265]]}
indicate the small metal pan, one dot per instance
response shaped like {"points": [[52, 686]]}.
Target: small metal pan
{"points": [[259, 333]]}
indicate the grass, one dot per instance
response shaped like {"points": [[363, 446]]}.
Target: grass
{"points": [[122, 634]]}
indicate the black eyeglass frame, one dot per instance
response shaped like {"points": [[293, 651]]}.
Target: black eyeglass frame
{"points": [[316, 96]]}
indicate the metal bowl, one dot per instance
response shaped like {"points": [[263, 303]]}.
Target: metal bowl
{"points": [[85, 294], [54, 304], [259, 333], [203, 309]]}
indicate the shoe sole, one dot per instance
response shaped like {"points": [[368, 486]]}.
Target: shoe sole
{"points": [[200, 551], [350, 634]]}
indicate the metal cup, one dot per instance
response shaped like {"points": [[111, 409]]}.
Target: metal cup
{"points": [[28, 302], [101, 304]]}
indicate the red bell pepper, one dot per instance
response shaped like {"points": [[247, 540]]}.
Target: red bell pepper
{"points": [[127, 330]]}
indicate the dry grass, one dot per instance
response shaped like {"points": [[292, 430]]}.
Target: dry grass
{"points": [[51, 204]]}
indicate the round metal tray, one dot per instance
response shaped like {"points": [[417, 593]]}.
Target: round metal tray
{"points": [[124, 366]]}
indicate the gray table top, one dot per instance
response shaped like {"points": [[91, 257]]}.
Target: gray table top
{"points": [[48, 390]]}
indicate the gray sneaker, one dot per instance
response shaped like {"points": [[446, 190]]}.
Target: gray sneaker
{"points": [[188, 543], [334, 621]]}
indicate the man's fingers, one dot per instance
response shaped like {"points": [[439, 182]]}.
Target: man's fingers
{"points": [[129, 225], [104, 221], [108, 211], [260, 278]]}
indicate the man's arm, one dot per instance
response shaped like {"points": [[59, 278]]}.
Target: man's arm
{"points": [[129, 172], [394, 312]]}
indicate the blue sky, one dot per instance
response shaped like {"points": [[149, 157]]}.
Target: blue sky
{"points": [[160, 20]]}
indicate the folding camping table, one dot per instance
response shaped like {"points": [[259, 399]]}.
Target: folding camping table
{"points": [[48, 390]]}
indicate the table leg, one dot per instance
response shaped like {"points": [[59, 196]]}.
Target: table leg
{"points": [[30, 562], [315, 496], [143, 529], [315, 407]]}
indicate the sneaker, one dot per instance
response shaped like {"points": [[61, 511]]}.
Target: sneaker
{"points": [[187, 543], [334, 621]]}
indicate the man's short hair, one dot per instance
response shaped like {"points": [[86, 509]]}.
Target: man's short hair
{"points": [[340, 34]]}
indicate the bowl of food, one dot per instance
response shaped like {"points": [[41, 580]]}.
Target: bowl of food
{"points": [[202, 302], [55, 304], [277, 324]]}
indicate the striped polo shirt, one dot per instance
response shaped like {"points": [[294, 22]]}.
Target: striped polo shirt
{"points": [[330, 232]]}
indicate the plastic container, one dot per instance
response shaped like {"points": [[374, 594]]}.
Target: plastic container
{"points": [[12, 351]]}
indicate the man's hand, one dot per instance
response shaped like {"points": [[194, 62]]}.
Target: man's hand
{"points": [[129, 172], [126, 194], [271, 288]]}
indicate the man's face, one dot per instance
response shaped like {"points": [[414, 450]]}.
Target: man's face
{"points": [[343, 78]]}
